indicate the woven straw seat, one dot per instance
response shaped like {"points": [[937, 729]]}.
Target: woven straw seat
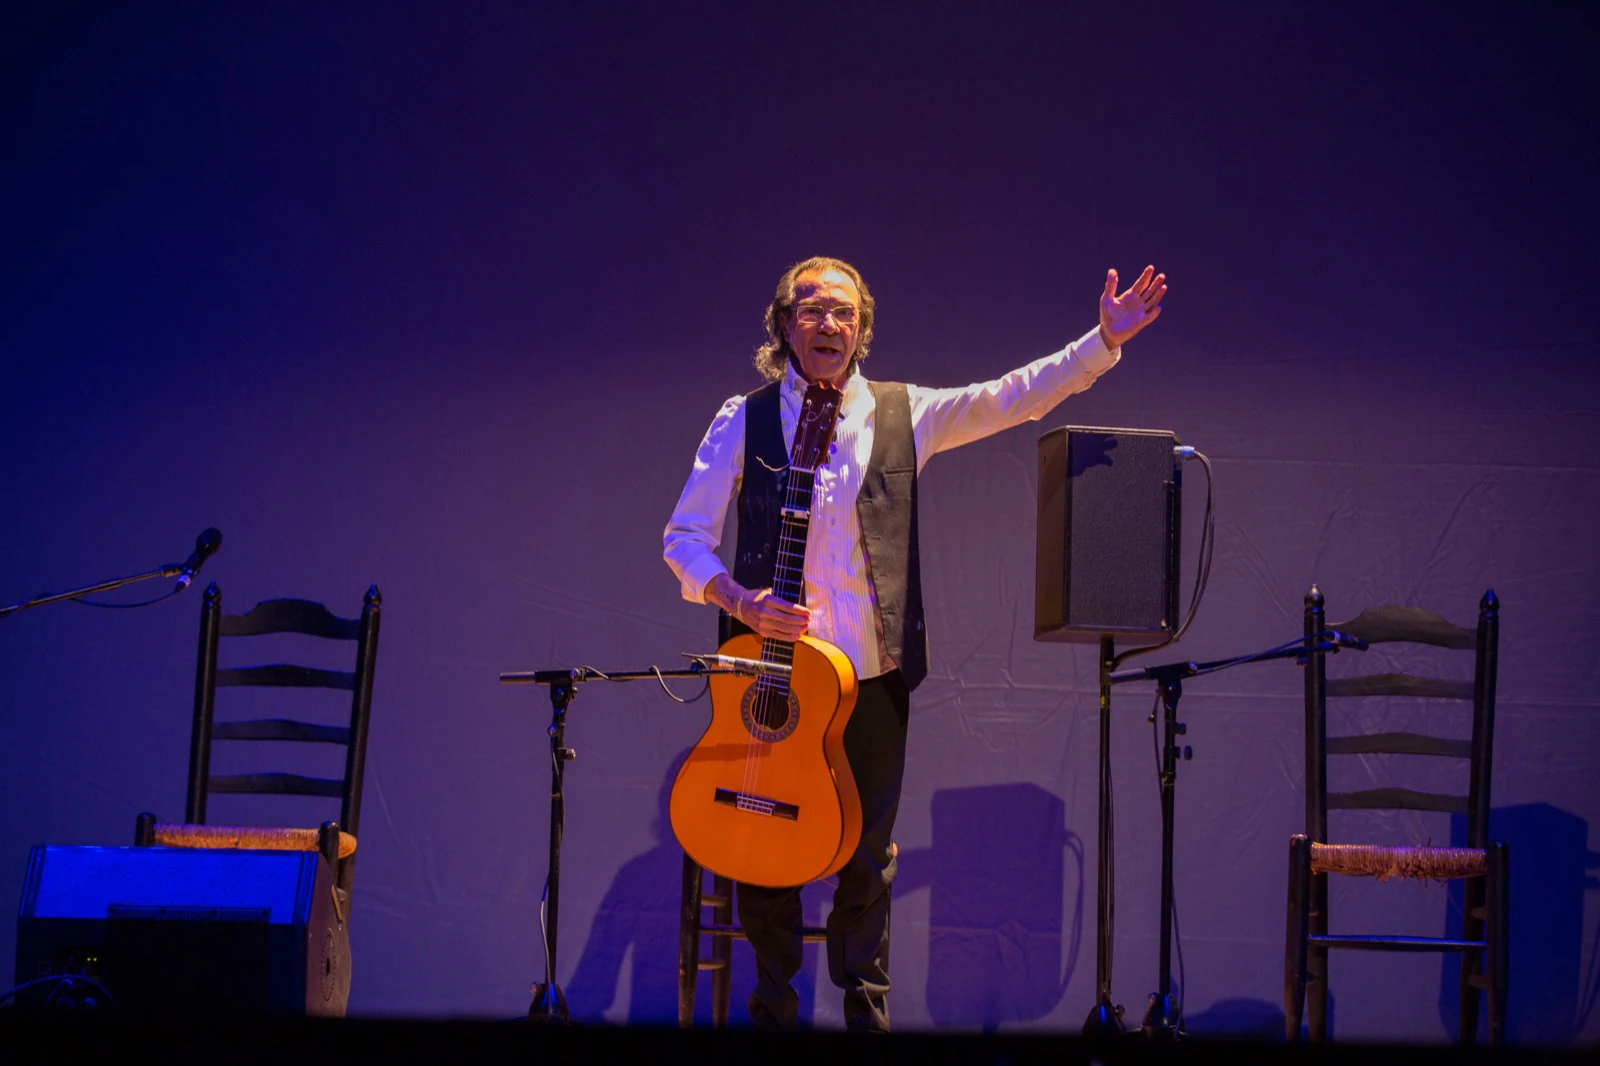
{"points": [[1421, 862], [246, 838]]}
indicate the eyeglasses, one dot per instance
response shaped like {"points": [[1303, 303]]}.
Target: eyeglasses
{"points": [[813, 314]]}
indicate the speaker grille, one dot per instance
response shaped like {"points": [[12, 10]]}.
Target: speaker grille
{"points": [[1109, 515]]}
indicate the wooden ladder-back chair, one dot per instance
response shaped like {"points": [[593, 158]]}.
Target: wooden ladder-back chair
{"points": [[1482, 864], [336, 840]]}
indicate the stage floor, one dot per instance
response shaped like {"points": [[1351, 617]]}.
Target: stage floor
{"points": [[28, 1037]]}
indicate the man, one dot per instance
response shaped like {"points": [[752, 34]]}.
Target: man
{"points": [[862, 569]]}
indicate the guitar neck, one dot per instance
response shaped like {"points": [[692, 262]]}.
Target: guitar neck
{"points": [[788, 572], [819, 411]]}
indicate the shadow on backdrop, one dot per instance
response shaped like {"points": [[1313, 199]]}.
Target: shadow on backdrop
{"points": [[1551, 868], [997, 871], [1243, 1019], [637, 922]]}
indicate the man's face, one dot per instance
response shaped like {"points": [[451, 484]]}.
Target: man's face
{"points": [[824, 345]]}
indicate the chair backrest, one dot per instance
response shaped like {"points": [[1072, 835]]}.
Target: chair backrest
{"points": [[284, 616], [1409, 625]]}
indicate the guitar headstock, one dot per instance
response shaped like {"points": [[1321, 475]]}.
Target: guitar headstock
{"points": [[818, 413]]}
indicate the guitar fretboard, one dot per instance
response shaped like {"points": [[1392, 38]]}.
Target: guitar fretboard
{"points": [[788, 575]]}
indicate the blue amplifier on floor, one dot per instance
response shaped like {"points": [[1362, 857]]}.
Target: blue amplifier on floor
{"points": [[190, 930]]}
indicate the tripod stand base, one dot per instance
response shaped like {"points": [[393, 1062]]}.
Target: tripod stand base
{"points": [[1103, 1020], [1163, 1020], [549, 1005]]}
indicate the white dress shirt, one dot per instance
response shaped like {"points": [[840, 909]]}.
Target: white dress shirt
{"points": [[838, 589]]}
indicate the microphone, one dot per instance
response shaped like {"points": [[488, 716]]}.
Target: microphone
{"points": [[205, 546], [1345, 640], [734, 664]]}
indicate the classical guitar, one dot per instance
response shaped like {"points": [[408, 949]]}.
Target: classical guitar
{"points": [[766, 796]]}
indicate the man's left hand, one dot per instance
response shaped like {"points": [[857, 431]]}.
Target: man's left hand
{"points": [[1123, 316]]}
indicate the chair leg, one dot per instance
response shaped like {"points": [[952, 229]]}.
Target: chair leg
{"points": [[1316, 956], [688, 941], [1474, 962], [144, 830], [1499, 938], [1294, 938], [722, 951]]}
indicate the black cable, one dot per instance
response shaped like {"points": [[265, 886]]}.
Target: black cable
{"points": [[1202, 573], [1177, 943], [674, 696], [66, 980], [119, 606], [1208, 547], [600, 675], [544, 933]]}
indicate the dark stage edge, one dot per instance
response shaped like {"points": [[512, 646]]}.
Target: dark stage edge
{"points": [[30, 1038]]}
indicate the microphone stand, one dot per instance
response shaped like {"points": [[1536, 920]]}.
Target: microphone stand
{"points": [[1163, 1019], [170, 570], [549, 1002]]}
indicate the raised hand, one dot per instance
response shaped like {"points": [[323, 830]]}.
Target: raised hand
{"points": [[1123, 316]]}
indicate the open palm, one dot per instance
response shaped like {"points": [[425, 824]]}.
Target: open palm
{"points": [[1123, 316]]}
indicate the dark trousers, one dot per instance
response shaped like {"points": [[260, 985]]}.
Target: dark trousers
{"points": [[858, 926]]}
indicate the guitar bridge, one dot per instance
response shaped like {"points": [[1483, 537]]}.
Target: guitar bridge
{"points": [[744, 801]]}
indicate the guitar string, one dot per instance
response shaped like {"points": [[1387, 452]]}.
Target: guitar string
{"points": [[761, 699], [790, 563], [789, 584]]}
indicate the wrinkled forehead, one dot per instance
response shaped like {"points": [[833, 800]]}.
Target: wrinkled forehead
{"points": [[828, 287]]}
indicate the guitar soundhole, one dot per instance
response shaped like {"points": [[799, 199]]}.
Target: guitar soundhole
{"points": [[770, 712]]}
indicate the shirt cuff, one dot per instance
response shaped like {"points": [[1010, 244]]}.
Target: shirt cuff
{"points": [[698, 574], [1092, 353]]}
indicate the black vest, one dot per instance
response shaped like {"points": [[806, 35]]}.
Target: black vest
{"points": [[886, 506]]}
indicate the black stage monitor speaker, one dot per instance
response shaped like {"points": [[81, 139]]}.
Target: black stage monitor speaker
{"points": [[1109, 516], [185, 930]]}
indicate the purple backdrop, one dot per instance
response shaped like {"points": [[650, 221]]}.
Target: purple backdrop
{"points": [[443, 300]]}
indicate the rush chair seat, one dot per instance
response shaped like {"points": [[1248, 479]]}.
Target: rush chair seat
{"points": [[335, 840], [1484, 866]]}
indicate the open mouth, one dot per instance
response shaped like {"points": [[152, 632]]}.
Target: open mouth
{"points": [[825, 349]]}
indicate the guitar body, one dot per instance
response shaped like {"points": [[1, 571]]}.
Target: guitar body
{"points": [[766, 796]]}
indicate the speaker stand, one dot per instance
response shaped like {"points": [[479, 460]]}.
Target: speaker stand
{"points": [[1106, 1017]]}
